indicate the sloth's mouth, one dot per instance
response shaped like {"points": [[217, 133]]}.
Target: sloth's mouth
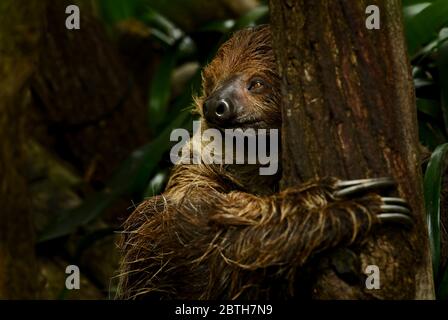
{"points": [[253, 123], [242, 125]]}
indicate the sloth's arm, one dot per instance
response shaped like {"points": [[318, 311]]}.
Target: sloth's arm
{"points": [[286, 228], [207, 243]]}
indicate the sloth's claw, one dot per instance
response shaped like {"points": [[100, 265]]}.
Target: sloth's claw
{"points": [[393, 209], [395, 201], [396, 217], [353, 187]]}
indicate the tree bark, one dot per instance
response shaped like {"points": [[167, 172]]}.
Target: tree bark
{"points": [[349, 112], [87, 107], [19, 38]]}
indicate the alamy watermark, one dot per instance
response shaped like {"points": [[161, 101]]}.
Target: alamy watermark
{"points": [[373, 277], [230, 146], [373, 18], [73, 280], [73, 20]]}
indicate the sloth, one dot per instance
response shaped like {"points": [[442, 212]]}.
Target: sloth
{"points": [[226, 232]]}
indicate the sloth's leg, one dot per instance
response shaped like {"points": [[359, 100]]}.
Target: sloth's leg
{"points": [[393, 209]]}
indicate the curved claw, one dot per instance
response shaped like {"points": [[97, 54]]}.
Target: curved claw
{"points": [[393, 208], [351, 187], [395, 201], [396, 217]]}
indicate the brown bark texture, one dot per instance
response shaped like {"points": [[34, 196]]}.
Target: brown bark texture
{"points": [[349, 112], [87, 107], [19, 37]]}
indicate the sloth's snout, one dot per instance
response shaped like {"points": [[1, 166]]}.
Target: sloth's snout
{"points": [[219, 111], [225, 105]]}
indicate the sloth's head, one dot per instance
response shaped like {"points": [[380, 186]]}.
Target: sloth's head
{"points": [[241, 86]]}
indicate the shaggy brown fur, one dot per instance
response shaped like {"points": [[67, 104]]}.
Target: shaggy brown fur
{"points": [[223, 232]]}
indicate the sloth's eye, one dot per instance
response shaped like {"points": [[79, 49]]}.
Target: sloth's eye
{"points": [[256, 85]]}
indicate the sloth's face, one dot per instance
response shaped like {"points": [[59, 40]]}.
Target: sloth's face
{"points": [[244, 100], [241, 86]]}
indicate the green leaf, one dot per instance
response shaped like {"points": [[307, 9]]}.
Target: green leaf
{"points": [[162, 37], [409, 11], [429, 107], [218, 26], [442, 64], [418, 72], [156, 21], [132, 176], [435, 170], [407, 3], [253, 17], [423, 83], [114, 11], [156, 184], [430, 134], [155, 18], [423, 27], [160, 91]]}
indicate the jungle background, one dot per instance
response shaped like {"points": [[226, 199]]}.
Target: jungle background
{"points": [[86, 116]]}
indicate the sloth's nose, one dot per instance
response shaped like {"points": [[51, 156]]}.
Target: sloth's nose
{"points": [[219, 111]]}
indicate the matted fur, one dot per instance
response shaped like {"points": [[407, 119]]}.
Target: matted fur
{"points": [[217, 232]]}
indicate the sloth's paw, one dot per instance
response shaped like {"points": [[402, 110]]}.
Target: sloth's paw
{"points": [[392, 209]]}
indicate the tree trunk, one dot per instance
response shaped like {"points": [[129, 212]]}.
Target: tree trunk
{"points": [[87, 108], [349, 112], [19, 37]]}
